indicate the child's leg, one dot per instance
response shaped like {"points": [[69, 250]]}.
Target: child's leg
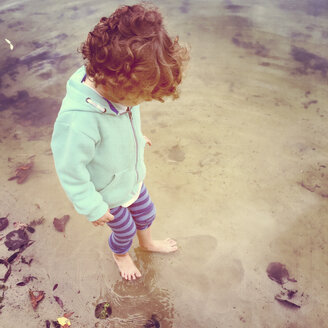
{"points": [[143, 213], [120, 241]]}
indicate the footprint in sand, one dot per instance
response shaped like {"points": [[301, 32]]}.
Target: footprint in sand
{"points": [[200, 273]]}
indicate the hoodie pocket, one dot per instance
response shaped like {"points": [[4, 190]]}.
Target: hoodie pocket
{"points": [[120, 186]]}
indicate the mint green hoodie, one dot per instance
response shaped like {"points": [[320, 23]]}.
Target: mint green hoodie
{"points": [[98, 153]]}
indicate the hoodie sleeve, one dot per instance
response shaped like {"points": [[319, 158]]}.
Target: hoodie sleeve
{"points": [[72, 151]]}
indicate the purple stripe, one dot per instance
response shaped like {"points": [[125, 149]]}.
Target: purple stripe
{"points": [[119, 220], [141, 198], [139, 201], [143, 218], [119, 250], [122, 224], [121, 244], [142, 192], [141, 195], [125, 237], [118, 229], [141, 204], [145, 215], [126, 229], [145, 209], [114, 211], [118, 241]]}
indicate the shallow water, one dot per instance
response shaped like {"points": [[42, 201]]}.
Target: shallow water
{"points": [[238, 169]]}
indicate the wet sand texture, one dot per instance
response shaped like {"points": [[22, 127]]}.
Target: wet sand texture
{"points": [[237, 171]]}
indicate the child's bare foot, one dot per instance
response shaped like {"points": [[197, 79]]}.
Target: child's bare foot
{"points": [[167, 245], [126, 266]]}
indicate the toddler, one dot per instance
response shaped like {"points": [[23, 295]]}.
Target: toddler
{"points": [[97, 143]]}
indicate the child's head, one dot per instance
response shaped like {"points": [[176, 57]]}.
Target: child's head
{"points": [[131, 54]]}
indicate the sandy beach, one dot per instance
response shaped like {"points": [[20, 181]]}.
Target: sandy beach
{"points": [[238, 171]]}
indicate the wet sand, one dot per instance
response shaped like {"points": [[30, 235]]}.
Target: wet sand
{"points": [[238, 169]]}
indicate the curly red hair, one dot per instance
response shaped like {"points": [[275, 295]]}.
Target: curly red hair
{"points": [[130, 52]]}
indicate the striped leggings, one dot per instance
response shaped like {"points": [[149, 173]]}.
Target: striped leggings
{"points": [[138, 215]]}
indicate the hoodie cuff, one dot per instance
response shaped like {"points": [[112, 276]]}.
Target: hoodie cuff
{"points": [[97, 214]]}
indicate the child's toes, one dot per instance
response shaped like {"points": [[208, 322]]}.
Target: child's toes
{"points": [[138, 274]]}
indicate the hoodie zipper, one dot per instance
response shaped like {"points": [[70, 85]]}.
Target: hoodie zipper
{"points": [[135, 139]]}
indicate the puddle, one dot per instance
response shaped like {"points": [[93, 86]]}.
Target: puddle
{"points": [[139, 302]]}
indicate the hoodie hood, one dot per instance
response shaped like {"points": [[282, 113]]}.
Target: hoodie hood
{"points": [[80, 97]]}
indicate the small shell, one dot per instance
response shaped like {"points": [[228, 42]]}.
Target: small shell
{"points": [[10, 44]]}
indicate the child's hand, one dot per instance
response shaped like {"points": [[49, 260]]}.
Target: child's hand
{"points": [[148, 141], [104, 219]]}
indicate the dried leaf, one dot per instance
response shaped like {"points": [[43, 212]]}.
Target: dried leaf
{"points": [[284, 300], [16, 239], [68, 315], [36, 299], [8, 272], [59, 301], [37, 222], [278, 272], [31, 242], [30, 229], [12, 257], [3, 223], [25, 261], [27, 279], [56, 324], [22, 172], [60, 223], [21, 283]]}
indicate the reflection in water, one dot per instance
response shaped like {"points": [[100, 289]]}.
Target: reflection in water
{"points": [[136, 302]]}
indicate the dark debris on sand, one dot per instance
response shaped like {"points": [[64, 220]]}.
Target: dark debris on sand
{"points": [[15, 240], [311, 62], [289, 296]]}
